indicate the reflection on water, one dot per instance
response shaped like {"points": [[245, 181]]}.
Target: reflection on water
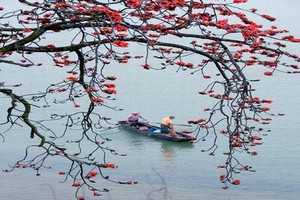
{"points": [[170, 149]]}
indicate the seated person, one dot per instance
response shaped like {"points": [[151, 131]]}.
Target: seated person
{"points": [[133, 119], [167, 126]]}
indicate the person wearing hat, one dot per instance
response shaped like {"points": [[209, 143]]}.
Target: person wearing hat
{"points": [[133, 119], [167, 126]]}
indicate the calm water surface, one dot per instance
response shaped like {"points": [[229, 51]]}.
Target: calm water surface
{"points": [[166, 170]]}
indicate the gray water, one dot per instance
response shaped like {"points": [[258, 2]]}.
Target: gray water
{"points": [[166, 170]]}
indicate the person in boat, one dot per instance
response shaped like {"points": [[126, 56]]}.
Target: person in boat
{"points": [[133, 119], [167, 127]]}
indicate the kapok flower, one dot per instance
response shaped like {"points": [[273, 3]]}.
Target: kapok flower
{"points": [[27, 30], [97, 100], [120, 43], [109, 85], [206, 76], [110, 91], [268, 73], [75, 184], [268, 17], [236, 182], [222, 177], [96, 193], [266, 101], [108, 165], [196, 121], [51, 46], [240, 1], [120, 28], [72, 78], [134, 3], [92, 174]]}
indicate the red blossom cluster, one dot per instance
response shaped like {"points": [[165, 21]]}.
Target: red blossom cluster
{"points": [[108, 165], [64, 61], [183, 64], [51, 90], [97, 100], [72, 78], [110, 88], [61, 173], [240, 1], [268, 17], [120, 43], [91, 175], [134, 3], [76, 184], [91, 89], [198, 121]]}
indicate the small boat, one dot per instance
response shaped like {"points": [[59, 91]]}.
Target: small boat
{"points": [[155, 132]]}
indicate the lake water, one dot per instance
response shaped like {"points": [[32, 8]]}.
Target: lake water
{"points": [[166, 170]]}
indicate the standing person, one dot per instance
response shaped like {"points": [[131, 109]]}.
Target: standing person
{"points": [[133, 119], [167, 126]]}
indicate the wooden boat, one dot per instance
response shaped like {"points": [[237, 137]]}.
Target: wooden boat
{"points": [[154, 131]]}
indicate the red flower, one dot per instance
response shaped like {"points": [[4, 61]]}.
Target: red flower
{"points": [[120, 43], [95, 33], [223, 24], [134, 3], [255, 137], [91, 89], [268, 17], [240, 1], [265, 108], [75, 184], [180, 63], [92, 174], [236, 182], [120, 28], [97, 100], [96, 193], [110, 91], [222, 177], [61, 173], [152, 42], [108, 165], [26, 30], [72, 78], [196, 121], [146, 66], [109, 85], [266, 101], [51, 46], [268, 73]]}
